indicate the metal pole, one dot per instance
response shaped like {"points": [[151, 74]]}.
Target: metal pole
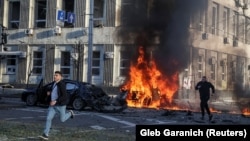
{"points": [[2, 46], [78, 60], [90, 41]]}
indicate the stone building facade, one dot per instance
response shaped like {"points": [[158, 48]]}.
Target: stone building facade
{"points": [[39, 42]]}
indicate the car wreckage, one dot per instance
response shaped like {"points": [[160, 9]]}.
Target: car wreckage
{"points": [[80, 96]]}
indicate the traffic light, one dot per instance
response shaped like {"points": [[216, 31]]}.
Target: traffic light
{"points": [[4, 38]]}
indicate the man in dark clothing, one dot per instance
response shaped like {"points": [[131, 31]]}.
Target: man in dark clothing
{"points": [[204, 89], [57, 98]]}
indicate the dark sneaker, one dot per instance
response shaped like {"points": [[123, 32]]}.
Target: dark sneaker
{"points": [[45, 137], [72, 114], [210, 117]]}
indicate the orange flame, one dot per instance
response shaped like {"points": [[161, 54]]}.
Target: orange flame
{"points": [[147, 86], [246, 111], [214, 110]]}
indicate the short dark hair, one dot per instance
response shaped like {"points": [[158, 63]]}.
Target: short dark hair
{"points": [[58, 72]]}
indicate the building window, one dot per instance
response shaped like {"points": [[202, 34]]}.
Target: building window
{"points": [[223, 69], [96, 63], [99, 13], [200, 66], [11, 64], [41, 9], [14, 12], [68, 6], [235, 24], [128, 7], [65, 63], [247, 32], [226, 21], [233, 69], [248, 73], [241, 69], [201, 21], [212, 64], [124, 63], [37, 62], [199, 74], [215, 18], [212, 72]]}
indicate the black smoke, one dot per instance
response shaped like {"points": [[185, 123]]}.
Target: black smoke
{"points": [[165, 20]]}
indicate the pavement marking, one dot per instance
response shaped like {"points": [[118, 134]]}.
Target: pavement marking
{"points": [[32, 110], [98, 127], [161, 122], [42, 116], [109, 118], [117, 120], [10, 118], [27, 117]]}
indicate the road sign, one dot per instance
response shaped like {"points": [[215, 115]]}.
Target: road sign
{"points": [[71, 17], [60, 15]]}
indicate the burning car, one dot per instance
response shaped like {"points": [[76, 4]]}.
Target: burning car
{"points": [[147, 86], [80, 96]]}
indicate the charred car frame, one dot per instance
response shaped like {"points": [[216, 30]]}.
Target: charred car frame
{"points": [[80, 96]]}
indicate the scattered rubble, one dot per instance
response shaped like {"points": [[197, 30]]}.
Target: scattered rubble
{"points": [[183, 116]]}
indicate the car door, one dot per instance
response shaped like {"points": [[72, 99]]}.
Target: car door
{"points": [[42, 93], [72, 88]]}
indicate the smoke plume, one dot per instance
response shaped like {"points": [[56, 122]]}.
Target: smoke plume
{"points": [[161, 26]]}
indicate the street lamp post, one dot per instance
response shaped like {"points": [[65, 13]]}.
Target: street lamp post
{"points": [[90, 41]]}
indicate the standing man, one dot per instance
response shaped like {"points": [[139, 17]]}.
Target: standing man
{"points": [[204, 89], [57, 98]]}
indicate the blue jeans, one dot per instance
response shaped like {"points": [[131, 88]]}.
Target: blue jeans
{"points": [[52, 110]]}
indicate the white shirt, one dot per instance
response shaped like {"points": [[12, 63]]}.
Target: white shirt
{"points": [[54, 93]]}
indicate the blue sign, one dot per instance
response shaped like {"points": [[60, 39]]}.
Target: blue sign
{"points": [[71, 17], [61, 15]]}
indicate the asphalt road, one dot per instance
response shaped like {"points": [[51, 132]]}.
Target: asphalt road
{"points": [[12, 109]]}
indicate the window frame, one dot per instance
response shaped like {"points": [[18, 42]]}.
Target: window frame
{"points": [[94, 66], [121, 67], [37, 20], [99, 21], [11, 67], [65, 2], [13, 10], [65, 67], [37, 59]]}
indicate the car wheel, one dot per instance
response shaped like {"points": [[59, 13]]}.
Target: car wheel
{"points": [[31, 100], [78, 103]]}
